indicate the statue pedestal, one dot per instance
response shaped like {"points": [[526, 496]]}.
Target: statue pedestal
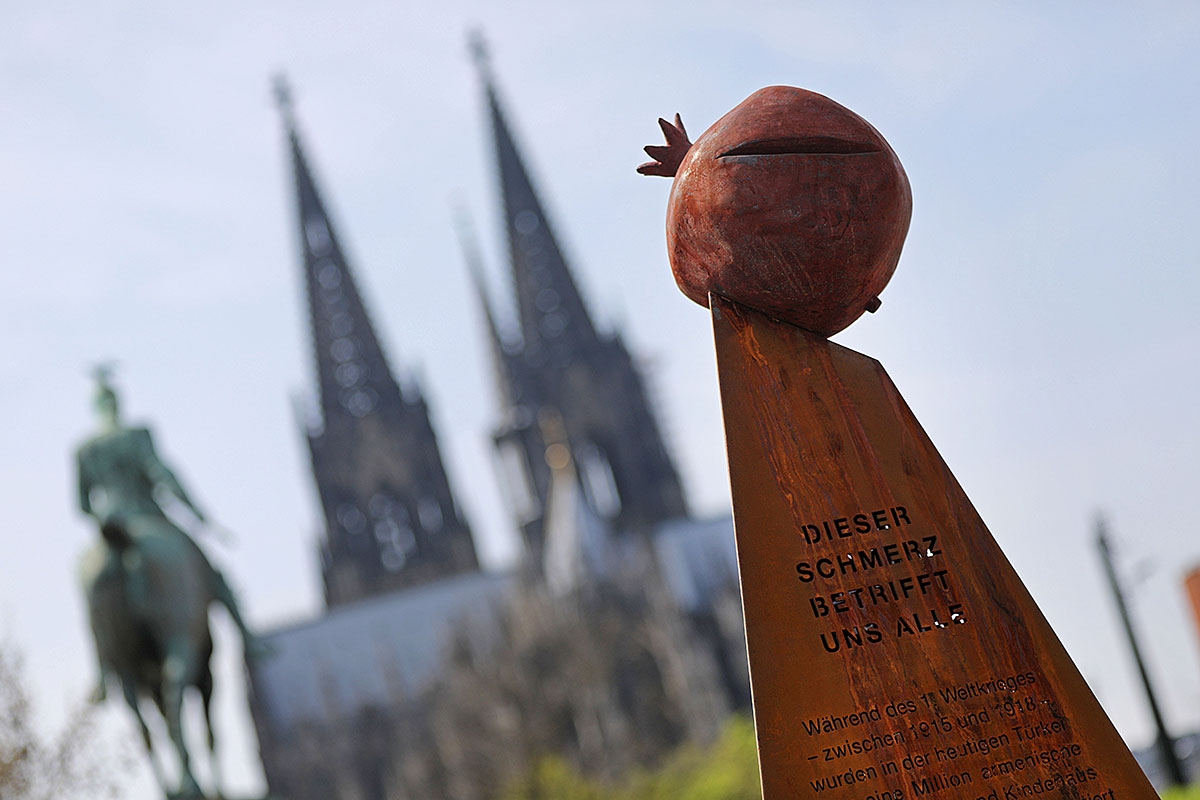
{"points": [[894, 652]]}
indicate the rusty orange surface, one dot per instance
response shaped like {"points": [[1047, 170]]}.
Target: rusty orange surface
{"points": [[894, 652], [1192, 584]]}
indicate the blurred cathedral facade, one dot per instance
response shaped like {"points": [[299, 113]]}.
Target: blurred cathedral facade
{"points": [[619, 635]]}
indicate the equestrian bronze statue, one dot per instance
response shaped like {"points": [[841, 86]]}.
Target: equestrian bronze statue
{"points": [[148, 585]]}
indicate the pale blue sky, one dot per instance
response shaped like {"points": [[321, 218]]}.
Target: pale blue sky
{"points": [[1039, 323]]}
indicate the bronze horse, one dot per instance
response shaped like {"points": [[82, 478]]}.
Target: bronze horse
{"points": [[148, 607]]}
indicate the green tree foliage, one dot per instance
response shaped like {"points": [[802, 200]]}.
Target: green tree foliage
{"points": [[1187, 793], [71, 765], [603, 679], [728, 770]]}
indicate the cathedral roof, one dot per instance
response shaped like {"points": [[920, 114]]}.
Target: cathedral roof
{"points": [[375, 652], [385, 650]]}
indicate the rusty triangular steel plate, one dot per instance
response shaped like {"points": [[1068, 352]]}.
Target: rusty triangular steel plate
{"points": [[894, 652]]}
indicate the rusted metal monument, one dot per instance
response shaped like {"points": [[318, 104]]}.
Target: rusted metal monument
{"points": [[894, 652]]}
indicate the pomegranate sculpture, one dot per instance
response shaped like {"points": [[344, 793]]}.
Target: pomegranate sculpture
{"points": [[790, 204]]}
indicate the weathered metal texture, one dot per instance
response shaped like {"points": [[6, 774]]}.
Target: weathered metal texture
{"points": [[791, 204], [1192, 585], [894, 652]]}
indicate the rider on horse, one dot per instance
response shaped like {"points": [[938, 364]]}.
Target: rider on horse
{"points": [[119, 475]]}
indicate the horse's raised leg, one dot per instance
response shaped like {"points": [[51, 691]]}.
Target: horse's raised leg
{"points": [[179, 672], [131, 698]]}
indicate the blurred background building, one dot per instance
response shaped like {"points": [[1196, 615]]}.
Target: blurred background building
{"points": [[618, 635]]}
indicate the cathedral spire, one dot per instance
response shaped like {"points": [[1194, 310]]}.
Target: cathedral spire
{"points": [[352, 372], [554, 319], [391, 520], [502, 363], [563, 367]]}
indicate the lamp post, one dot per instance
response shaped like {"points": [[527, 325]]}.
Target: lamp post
{"points": [[1164, 741]]}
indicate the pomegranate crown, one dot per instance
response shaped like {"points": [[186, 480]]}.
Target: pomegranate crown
{"points": [[668, 157]]}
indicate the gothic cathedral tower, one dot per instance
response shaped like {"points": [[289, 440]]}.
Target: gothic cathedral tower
{"points": [[563, 373], [391, 520]]}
